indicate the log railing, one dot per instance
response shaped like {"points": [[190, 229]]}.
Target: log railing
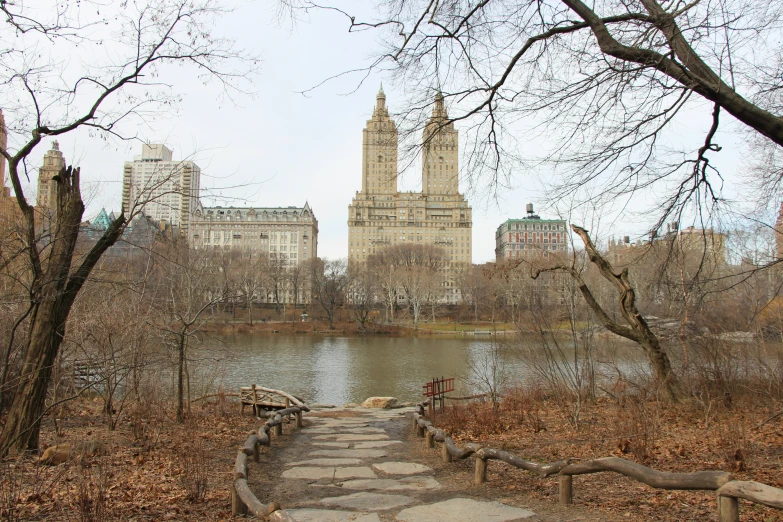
{"points": [[243, 501], [727, 489]]}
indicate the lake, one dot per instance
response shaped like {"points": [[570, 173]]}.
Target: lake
{"points": [[338, 370]]}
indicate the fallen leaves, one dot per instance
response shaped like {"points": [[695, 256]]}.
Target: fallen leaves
{"points": [[140, 480]]}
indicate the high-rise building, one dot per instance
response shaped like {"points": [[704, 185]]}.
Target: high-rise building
{"points": [[529, 237], [380, 215], [166, 190], [53, 162]]}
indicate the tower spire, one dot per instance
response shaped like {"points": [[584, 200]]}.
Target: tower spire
{"points": [[380, 102]]}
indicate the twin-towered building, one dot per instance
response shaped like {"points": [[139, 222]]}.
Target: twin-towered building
{"points": [[380, 215]]}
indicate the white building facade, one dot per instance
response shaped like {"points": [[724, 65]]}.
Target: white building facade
{"points": [[286, 233]]}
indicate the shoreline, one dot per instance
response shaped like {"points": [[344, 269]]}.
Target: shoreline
{"points": [[352, 329]]}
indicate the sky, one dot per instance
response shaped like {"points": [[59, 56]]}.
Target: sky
{"points": [[280, 147]]}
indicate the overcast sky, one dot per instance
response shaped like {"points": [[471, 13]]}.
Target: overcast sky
{"points": [[280, 148]]}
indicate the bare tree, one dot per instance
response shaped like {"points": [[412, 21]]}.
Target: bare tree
{"points": [[418, 269], [47, 95], [606, 86], [298, 279], [330, 281], [187, 289], [363, 292], [249, 281], [635, 328], [388, 281]]}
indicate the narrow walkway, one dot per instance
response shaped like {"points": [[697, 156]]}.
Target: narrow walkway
{"points": [[351, 465]]}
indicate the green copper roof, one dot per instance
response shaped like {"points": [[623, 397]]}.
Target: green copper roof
{"points": [[102, 220]]}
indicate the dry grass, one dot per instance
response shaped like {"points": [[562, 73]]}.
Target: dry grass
{"points": [[666, 438]]}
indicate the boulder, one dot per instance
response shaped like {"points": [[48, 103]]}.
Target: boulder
{"points": [[385, 403], [350, 405]]}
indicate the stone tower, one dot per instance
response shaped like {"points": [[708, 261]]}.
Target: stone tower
{"points": [[47, 189], [379, 151], [440, 170]]}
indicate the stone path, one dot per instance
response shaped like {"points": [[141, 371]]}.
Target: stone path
{"points": [[355, 468]]}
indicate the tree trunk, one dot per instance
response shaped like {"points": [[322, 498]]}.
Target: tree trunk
{"points": [[180, 376], [637, 329], [54, 289], [22, 426]]}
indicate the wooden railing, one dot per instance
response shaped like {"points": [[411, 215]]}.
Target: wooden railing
{"points": [[727, 489], [243, 501]]}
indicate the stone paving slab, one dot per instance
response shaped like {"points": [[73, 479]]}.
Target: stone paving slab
{"points": [[326, 462], [349, 453], [463, 510], [344, 437], [342, 458], [313, 473], [344, 430], [404, 484], [327, 515], [323, 421], [402, 468], [375, 444], [368, 501]]}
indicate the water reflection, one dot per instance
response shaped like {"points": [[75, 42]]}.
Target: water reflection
{"points": [[338, 370]]}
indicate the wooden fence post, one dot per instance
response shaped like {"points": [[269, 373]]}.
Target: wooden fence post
{"points": [[444, 451], [415, 424], [419, 430], [566, 489], [728, 509], [279, 428], [256, 409], [256, 452], [237, 506], [298, 419], [430, 439], [481, 471]]}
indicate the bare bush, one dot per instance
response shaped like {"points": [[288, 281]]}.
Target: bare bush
{"points": [[487, 372], [637, 426], [194, 477], [10, 492], [732, 445], [91, 499]]}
